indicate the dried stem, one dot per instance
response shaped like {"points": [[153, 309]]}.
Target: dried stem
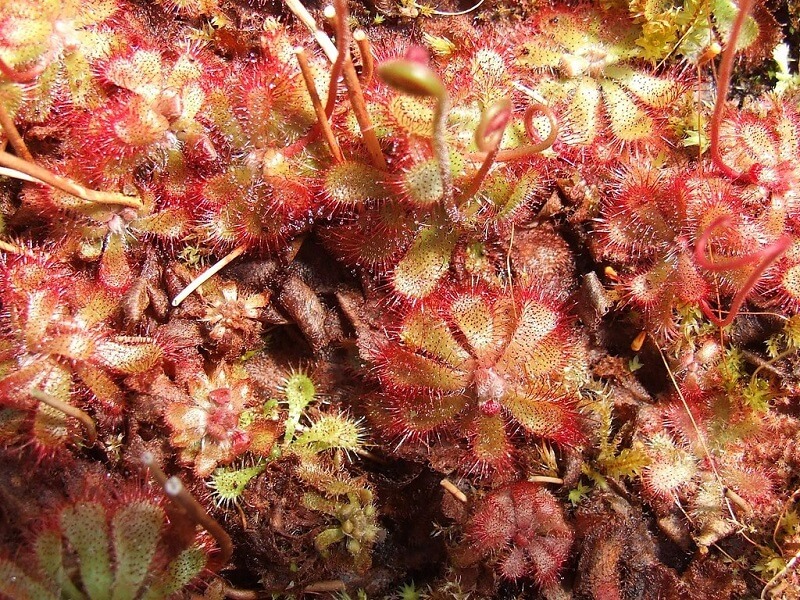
{"points": [[342, 55], [239, 594], [13, 135], [738, 501], [370, 456], [13, 173], [763, 259], [368, 62], [182, 498], [13, 249], [322, 117], [441, 13], [319, 587], [767, 364], [322, 587], [208, 274], [723, 83], [70, 411], [356, 95], [638, 341], [67, 185], [450, 487], [305, 17], [546, 479]]}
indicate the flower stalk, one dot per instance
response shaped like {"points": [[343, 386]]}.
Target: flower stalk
{"points": [[70, 411], [723, 83], [14, 137], [182, 498], [417, 79], [354, 91], [68, 186], [322, 116], [763, 259], [488, 136]]}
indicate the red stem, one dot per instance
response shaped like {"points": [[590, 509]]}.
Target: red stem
{"points": [[488, 142], [723, 83], [343, 48], [367, 61], [764, 258], [722, 265], [532, 149]]}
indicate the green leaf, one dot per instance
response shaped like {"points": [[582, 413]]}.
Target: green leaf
{"points": [[136, 529], [84, 525], [630, 462], [327, 538], [426, 262], [16, 584], [49, 552], [185, 567], [628, 122], [331, 431], [757, 394], [411, 77], [426, 332]]}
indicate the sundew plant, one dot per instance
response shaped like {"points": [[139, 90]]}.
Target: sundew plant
{"points": [[399, 299]]}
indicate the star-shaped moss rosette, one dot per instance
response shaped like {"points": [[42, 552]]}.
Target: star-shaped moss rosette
{"points": [[584, 63], [230, 313], [476, 362]]}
